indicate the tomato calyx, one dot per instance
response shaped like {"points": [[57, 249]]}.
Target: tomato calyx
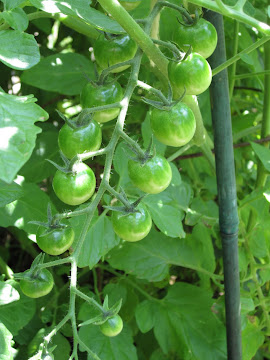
{"points": [[52, 223], [106, 313], [70, 166], [191, 20], [128, 207], [79, 121], [34, 271]]}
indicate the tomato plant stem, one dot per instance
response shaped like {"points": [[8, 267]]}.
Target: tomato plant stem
{"points": [[234, 13], [136, 32], [237, 57], [249, 75]]}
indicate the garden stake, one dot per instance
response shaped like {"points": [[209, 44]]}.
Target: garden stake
{"points": [[228, 217]]}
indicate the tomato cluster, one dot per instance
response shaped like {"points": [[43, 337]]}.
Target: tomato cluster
{"points": [[173, 125]]}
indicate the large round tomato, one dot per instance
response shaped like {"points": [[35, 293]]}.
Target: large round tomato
{"points": [[39, 285], [79, 140], [202, 36], [112, 326], [193, 74], [130, 5], [132, 226], [113, 51], [175, 127], [94, 95], [56, 241], [153, 176], [77, 187]]}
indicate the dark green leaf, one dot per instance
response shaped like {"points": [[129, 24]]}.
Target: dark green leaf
{"points": [[99, 239], [81, 9], [37, 168], [22, 56], [17, 314], [119, 347], [62, 73], [17, 132], [9, 193], [6, 343], [16, 18], [263, 154]]}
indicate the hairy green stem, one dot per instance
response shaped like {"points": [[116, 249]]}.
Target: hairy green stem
{"points": [[154, 91], [233, 13], [137, 33], [248, 75], [55, 263], [237, 57], [89, 300], [180, 151], [246, 132]]}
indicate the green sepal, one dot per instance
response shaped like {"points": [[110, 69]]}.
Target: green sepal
{"points": [[66, 120]]}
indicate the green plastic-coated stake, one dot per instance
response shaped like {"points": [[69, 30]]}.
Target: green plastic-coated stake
{"points": [[228, 217]]}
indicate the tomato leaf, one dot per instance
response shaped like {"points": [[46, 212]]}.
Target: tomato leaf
{"points": [[9, 192], [150, 259], [31, 206], [81, 9], [252, 339], [263, 154], [184, 326], [17, 314], [70, 68], [6, 343], [22, 56], [119, 347], [16, 18], [8, 294], [17, 132], [99, 240]]}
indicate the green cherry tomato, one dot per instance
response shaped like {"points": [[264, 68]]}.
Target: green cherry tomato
{"points": [[38, 286], [193, 74], [112, 326], [175, 127], [132, 226], [77, 187], [128, 5], [202, 36], [56, 241], [152, 177], [79, 140], [113, 51], [92, 95]]}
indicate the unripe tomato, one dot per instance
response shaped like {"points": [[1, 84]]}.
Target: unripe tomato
{"points": [[38, 286], [128, 5], [55, 242], [152, 177], [113, 51], [77, 187], [202, 36], [112, 326], [193, 74], [175, 127], [92, 96], [133, 226], [79, 140]]}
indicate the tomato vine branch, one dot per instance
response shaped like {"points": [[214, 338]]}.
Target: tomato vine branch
{"points": [[234, 13]]}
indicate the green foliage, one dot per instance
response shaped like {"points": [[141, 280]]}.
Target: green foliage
{"points": [[168, 288]]}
